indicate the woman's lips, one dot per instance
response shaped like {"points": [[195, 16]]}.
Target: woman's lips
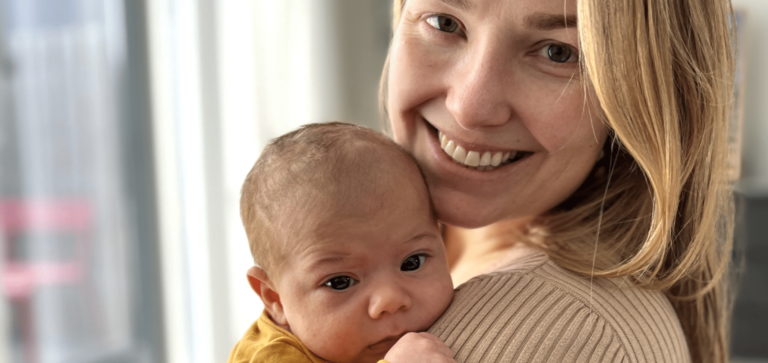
{"points": [[473, 157], [478, 159]]}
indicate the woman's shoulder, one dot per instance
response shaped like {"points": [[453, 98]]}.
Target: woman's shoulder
{"points": [[533, 310]]}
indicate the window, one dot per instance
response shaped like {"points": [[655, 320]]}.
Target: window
{"points": [[76, 226]]}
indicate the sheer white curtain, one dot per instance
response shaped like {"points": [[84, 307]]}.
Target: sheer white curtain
{"points": [[228, 76]]}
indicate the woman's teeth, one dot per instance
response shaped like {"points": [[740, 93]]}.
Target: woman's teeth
{"points": [[474, 159]]}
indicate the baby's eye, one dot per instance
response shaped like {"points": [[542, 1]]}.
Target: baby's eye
{"points": [[340, 282], [560, 53], [443, 23], [413, 263]]}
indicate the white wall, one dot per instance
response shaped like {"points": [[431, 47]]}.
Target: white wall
{"points": [[754, 49]]}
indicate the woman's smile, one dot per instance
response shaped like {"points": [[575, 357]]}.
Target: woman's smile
{"points": [[473, 160], [478, 157]]}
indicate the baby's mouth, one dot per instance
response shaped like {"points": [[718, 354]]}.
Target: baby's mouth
{"points": [[482, 160], [385, 344]]}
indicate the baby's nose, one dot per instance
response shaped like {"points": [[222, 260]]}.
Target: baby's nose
{"points": [[388, 298]]}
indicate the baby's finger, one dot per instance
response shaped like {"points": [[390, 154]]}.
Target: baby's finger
{"points": [[444, 350], [428, 336], [440, 346]]}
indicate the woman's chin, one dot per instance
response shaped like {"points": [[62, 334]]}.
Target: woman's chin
{"points": [[465, 214], [461, 222], [464, 210]]}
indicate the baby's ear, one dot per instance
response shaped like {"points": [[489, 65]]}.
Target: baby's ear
{"points": [[265, 288]]}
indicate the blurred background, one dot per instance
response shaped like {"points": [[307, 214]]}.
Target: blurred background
{"points": [[127, 127]]}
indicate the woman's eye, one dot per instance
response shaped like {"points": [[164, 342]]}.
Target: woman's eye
{"points": [[560, 53], [413, 263], [340, 282], [443, 23]]}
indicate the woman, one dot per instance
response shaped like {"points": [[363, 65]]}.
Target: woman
{"points": [[575, 151]]}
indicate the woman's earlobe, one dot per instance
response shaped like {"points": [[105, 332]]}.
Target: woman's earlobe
{"points": [[262, 286]]}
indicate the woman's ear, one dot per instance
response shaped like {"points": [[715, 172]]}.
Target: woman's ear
{"points": [[265, 288]]}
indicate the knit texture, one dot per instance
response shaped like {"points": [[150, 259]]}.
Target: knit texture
{"points": [[534, 311]]}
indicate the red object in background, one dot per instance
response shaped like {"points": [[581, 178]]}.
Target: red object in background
{"points": [[20, 278]]}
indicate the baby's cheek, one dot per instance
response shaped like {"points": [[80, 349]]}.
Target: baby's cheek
{"points": [[335, 342], [436, 302], [446, 296]]}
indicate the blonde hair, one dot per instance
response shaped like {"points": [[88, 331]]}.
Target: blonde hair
{"points": [[322, 169], [661, 73]]}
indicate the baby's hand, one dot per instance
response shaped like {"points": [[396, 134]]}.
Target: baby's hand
{"points": [[419, 348]]}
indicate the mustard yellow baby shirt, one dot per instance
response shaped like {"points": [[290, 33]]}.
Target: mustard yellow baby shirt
{"points": [[265, 342]]}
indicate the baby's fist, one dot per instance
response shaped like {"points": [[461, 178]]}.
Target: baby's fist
{"points": [[419, 348]]}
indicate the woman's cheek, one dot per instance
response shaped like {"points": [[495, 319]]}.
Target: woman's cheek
{"points": [[402, 90], [416, 72], [561, 121]]}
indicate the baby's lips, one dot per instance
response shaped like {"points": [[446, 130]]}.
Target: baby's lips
{"points": [[385, 344]]}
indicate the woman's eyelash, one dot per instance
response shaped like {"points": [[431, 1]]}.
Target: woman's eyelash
{"points": [[559, 53], [443, 23]]}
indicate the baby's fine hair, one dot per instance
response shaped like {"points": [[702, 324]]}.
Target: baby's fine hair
{"points": [[318, 168]]}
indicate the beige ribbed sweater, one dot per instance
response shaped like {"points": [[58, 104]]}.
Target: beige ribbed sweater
{"points": [[531, 310]]}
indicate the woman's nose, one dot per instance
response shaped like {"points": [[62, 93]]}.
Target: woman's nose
{"points": [[388, 299], [478, 89]]}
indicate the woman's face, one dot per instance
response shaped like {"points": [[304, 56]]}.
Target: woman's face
{"points": [[487, 96]]}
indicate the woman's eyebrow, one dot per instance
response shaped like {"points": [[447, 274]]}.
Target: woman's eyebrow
{"points": [[544, 21], [461, 4]]}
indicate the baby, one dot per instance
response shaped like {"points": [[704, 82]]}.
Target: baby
{"points": [[349, 257]]}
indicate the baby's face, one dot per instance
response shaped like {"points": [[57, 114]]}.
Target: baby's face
{"points": [[357, 284]]}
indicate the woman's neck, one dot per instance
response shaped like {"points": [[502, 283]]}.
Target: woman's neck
{"points": [[473, 252]]}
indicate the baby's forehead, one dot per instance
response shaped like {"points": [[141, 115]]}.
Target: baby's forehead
{"points": [[350, 213], [355, 203], [348, 186], [344, 239]]}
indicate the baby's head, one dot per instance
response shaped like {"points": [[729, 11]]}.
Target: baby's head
{"points": [[349, 253]]}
